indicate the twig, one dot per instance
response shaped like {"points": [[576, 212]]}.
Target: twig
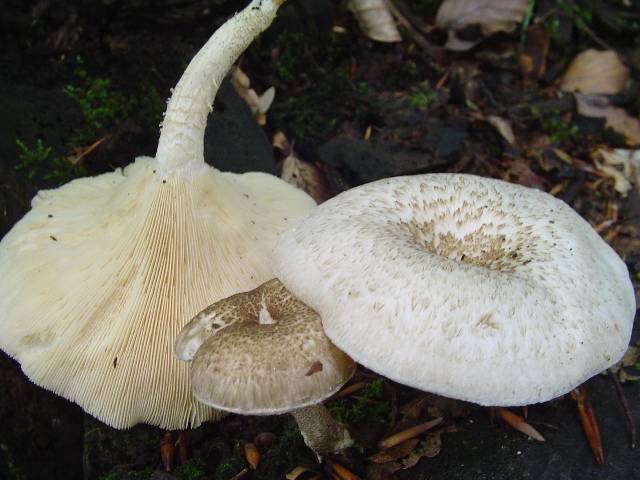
{"points": [[240, 474], [346, 391], [400, 437], [625, 407], [589, 423], [416, 36], [517, 422]]}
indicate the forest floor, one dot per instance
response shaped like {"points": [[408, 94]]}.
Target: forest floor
{"points": [[82, 91]]}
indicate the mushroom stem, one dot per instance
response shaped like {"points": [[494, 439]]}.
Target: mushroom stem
{"points": [[181, 144], [320, 431]]}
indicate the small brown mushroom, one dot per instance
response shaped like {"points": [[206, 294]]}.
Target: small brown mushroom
{"points": [[264, 352]]}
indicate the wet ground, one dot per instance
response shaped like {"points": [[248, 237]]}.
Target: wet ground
{"points": [[330, 88]]}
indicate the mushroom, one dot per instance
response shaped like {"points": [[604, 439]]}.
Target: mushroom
{"points": [[99, 277], [464, 286], [263, 352]]}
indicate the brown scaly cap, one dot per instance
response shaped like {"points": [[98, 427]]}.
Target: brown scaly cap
{"points": [[262, 352]]}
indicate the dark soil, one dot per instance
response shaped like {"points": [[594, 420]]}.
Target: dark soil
{"points": [[425, 110]]}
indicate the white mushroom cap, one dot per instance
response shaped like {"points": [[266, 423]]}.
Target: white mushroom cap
{"points": [[464, 286], [98, 278], [262, 352]]}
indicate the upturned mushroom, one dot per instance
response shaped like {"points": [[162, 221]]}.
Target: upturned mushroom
{"points": [[263, 352], [464, 286], [99, 277]]}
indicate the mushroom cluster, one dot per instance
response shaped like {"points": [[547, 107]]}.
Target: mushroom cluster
{"points": [[98, 278], [464, 286]]}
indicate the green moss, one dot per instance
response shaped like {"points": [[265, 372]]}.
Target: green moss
{"points": [[14, 470], [194, 469], [37, 161], [143, 474], [283, 455], [554, 125], [369, 407], [290, 58], [151, 106], [232, 462], [421, 96], [101, 105]]}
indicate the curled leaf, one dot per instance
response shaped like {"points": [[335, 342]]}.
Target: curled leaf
{"points": [[259, 104], [429, 448], [395, 453], [620, 164], [595, 72], [252, 455], [490, 15], [375, 20], [303, 175], [616, 118]]}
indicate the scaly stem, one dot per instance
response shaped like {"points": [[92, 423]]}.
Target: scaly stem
{"points": [[320, 431], [181, 145]]}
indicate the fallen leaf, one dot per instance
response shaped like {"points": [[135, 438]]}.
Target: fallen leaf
{"points": [[491, 15], [533, 59], [259, 104], [616, 118], [382, 471], [629, 359], [375, 20], [620, 164], [395, 453], [595, 72], [297, 472], [429, 448], [252, 455], [518, 171], [503, 127], [305, 176]]}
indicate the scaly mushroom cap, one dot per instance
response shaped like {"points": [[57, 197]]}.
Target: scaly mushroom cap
{"points": [[464, 286], [262, 352], [98, 278]]}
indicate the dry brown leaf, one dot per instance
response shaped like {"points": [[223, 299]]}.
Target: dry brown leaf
{"points": [[395, 453], [305, 176], [252, 455], [382, 471], [503, 127], [533, 59], [429, 448], [595, 72], [629, 359], [281, 142], [616, 118], [297, 472], [491, 15], [375, 20], [259, 104], [620, 164]]}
